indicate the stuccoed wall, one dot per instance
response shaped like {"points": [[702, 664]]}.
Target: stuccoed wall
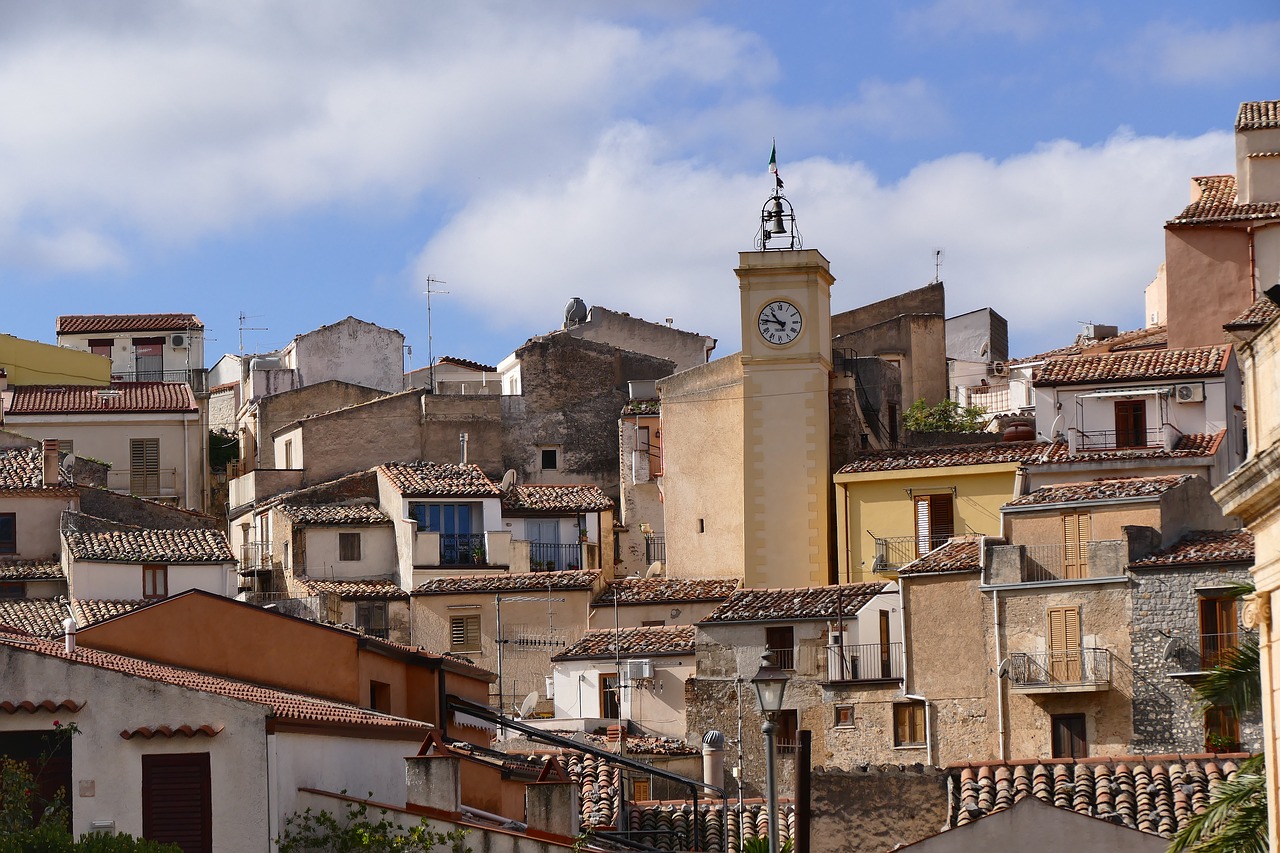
{"points": [[876, 808]]}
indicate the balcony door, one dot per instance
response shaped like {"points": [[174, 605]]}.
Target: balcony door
{"points": [[1064, 645], [544, 548], [1218, 631], [935, 521], [148, 359], [453, 523], [1131, 423]]}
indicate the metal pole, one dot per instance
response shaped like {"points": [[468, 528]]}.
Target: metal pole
{"points": [[770, 728], [497, 602]]}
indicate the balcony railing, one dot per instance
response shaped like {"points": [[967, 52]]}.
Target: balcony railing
{"points": [[1201, 652], [1120, 440], [784, 658], [655, 548], [894, 552], [255, 556], [197, 379], [554, 557], [1052, 562], [462, 549], [869, 662], [1061, 672]]}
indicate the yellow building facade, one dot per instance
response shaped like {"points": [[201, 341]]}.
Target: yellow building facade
{"points": [[33, 363]]}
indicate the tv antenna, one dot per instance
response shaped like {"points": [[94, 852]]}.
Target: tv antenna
{"points": [[431, 359], [938, 254], [244, 328]]}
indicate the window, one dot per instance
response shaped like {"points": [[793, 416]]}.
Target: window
{"points": [[610, 698], [1075, 545], [288, 453], [348, 547], [550, 458], [380, 696], [66, 445], [1068, 732], [844, 716], [101, 346], [8, 533], [148, 357], [788, 737], [464, 633], [782, 642], [1064, 644], [371, 617], [1221, 729], [652, 623], [1217, 630], [144, 467], [1131, 423], [640, 790], [155, 581], [12, 590], [935, 522], [177, 802], [908, 724]]}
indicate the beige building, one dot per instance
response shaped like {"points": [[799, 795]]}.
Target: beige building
{"points": [[141, 347]]}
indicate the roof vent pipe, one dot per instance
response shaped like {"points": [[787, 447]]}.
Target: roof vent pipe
{"points": [[69, 632], [462, 447]]}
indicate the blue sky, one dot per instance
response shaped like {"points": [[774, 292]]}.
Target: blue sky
{"points": [[303, 160]]}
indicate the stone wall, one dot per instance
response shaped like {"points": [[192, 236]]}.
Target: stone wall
{"points": [[876, 808], [127, 509]]}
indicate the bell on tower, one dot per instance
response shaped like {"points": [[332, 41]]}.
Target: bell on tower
{"points": [[777, 217]]}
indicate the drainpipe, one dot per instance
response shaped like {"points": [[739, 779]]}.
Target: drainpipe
{"points": [[928, 726], [995, 607]]}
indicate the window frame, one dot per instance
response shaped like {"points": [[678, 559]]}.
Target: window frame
{"points": [[781, 639], [845, 716], [155, 581], [349, 544], [1133, 415], [1062, 733], [462, 629], [554, 450], [9, 541], [910, 724], [373, 616], [932, 525], [97, 344]]}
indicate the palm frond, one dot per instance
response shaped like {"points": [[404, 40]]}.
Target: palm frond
{"points": [[1235, 821], [1236, 680]]}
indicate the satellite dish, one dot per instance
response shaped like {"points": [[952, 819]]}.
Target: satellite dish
{"points": [[1003, 671], [526, 707], [508, 480], [1170, 649], [579, 737], [69, 460], [655, 569]]}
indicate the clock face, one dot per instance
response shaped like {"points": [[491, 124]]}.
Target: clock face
{"points": [[780, 322]]}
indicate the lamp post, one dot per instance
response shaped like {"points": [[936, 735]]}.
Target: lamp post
{"points": [[770, 683]]}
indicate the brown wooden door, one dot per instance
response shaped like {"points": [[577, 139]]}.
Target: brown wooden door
{"points": [[1217, 630], [1131, 423], [177, 803], [935, 522], [1064, 644]]}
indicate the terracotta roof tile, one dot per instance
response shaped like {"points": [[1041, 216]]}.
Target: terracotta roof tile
{"points": [[666, 590], [89, 611], [464, 362], [1202, 546], [771, 605], [41, 617], [51, 705], [22, 469], [1258, 115], [366, 588], [284, 705], [548, 498], [1257, 315], [186, 730], [509, 582], [89, 538], [85, 399], [956, 555], [1149, 337], [911, 458], [322, 515], [76, 324], [632, 643], [1155, 794], [1191, 445], [225, 386], [1101, 490], [431, 479], [1153, 338], [1134, 366], [1218, 202], [31, 570]]}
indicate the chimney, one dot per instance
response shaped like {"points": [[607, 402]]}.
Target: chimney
{"points": [[462, 444], [551, 804], [434, 776], [713, 759], [69, 632], [50, 468]]}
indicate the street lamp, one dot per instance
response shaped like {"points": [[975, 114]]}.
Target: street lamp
{"points": [[770, 683]]}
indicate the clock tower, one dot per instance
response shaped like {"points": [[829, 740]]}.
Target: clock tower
{"points": [[786, 378]]}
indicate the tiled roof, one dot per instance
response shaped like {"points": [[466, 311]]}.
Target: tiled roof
{"points": [[432, 479], [1258, 115], [956, 555], [1202, 546], [41, 617], [225, 386], [90, 538], [1101, 490], [376, 588], [84, 399], [31, 570], [665, 590], [632, 642], [911, 458], [1257, 315], [1155, 794], [89, 611], [167, 732], [1149, 337], [1156, 337], [51, 705], [78, 324], [1134, 366], [22, 469], [1191, 445], [330, 514], [771, 605], [509, 582], [1218, 203], [294, 707], [544, 498], [464, 362]]}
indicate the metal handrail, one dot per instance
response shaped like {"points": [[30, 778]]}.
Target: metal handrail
{"points": [[1110, 439], [865, 662], [1061, 668], [894, 552]]}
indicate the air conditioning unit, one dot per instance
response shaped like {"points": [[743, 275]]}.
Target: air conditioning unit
{"points": [[1192, 393], [999, 368], [637, 670], [178, 341]]}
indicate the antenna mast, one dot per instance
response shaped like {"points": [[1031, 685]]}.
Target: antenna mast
{"points": [[244, 328], [937, 265], [431, 359]]}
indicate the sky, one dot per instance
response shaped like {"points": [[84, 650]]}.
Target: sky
{"points": [[299, 161]]}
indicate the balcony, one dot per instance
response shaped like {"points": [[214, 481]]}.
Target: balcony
{"points": [[554, 557], [1119, 440], [784, 658], [655, 548], [197, 379], [462, 549], [1192, 657], [1010, 564], [870, 662], [1077, 671], [894, 552], [255, 557]]}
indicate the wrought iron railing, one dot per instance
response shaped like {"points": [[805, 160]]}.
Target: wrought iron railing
{"points": [[1052, 562], [462, 549], [655, 548], [894, 552], [1200, 652], [1095, 439], [554, 557], [1075, 667], [198, 379], [868, 662], [784, 658], [255, 556]]}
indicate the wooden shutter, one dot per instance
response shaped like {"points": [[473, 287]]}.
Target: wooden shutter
{"points": [[935, 522], [1075, 545], [1217, 630], [177, 802], [1064, 644], [144, 466], [464, 633]]}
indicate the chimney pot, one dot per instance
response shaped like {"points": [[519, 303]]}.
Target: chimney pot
{"points": [[49, 470]]}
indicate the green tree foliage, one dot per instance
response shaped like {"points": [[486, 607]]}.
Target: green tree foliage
{"points": [[947, 416], [323, 832]]}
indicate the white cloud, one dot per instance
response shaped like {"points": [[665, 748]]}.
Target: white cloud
{"points": [[1060, 234], [1017, 18], [1186, 54]]}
